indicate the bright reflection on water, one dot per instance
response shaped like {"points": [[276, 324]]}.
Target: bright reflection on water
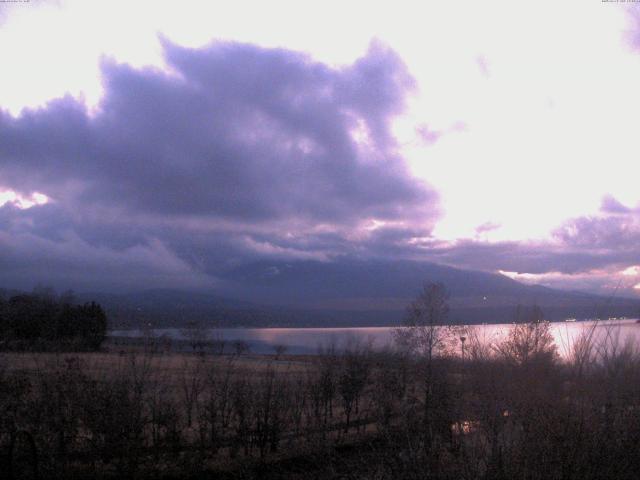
{"points": [[309, 340]]}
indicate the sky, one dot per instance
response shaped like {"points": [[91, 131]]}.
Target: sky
{"points": [[164, 143]]}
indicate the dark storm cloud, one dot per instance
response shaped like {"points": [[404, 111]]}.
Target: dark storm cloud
{"points": [[242, 154], [170, 251], [236, 131], [238, 153], [66, 260]]}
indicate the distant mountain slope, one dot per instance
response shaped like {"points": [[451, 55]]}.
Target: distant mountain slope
{"points": [[309, 293], [342, 284]]}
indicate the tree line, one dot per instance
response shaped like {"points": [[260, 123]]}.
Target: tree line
{"points": [[510, 410], [441, 404], [42, 320]]}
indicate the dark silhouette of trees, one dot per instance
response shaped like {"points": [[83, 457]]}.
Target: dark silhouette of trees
{"points": [[353, 376], [490, 417], [40, 320], [427, 334], [530, 339], [240, 347], [197, 336], [425, 329]]}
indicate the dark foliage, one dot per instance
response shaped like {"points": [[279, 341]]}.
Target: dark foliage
{"points": [[509, 409], [44, 321]]}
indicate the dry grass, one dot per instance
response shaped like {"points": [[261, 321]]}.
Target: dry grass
{"points": [[100, 363], [516, 411]]}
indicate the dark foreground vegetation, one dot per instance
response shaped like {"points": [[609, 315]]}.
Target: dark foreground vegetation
{"points": [[443, 404], [43, 320], [506, 411]]}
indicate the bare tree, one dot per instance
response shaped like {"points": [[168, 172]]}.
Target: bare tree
{"points": [[218, 342], [192, 385], [530, 339], [196, 335], [426, 333], [217, 412], [240, 347], [352, 379], [279, 350]]}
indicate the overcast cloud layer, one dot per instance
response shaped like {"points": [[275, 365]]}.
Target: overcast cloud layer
{"points": [[241, 153]]}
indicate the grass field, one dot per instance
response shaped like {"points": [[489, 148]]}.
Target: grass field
{"points": [[515, 410]]}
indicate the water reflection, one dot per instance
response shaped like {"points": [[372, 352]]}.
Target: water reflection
{"points": [[309, 340]]}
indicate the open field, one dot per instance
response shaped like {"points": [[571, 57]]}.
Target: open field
{"points": [[157, 411], [172, 365], [513, 411]]}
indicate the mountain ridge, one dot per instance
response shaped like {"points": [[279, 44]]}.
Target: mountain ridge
{"points": [[354, 293]]}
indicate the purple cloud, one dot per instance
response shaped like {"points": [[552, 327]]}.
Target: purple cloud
{"points": [[238, 132], [483, 66], [428, 135], [632, 34], [487, 227], [611, 205], [242, 154], [238, 153]]}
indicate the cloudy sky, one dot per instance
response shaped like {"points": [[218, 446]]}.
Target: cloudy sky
{"points": [[163, 143]]}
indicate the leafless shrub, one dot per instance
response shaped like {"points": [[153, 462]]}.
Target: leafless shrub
{"points": [[279, 350], [271, 402], [478, 348], [425, 322], [352, 379], [240, 347], [217, 410], [114, 417], [529, 340], [242, 411], [197, 336], [390, 384], [513, 410], [191, 385]]}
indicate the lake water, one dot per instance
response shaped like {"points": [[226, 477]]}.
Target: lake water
{"points": [[309, 340]]}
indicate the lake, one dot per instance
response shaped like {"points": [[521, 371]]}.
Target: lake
{"points": [[309, 340]]}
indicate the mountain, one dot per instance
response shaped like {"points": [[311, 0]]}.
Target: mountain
{"points": [[347, 284], [349, 293]]}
